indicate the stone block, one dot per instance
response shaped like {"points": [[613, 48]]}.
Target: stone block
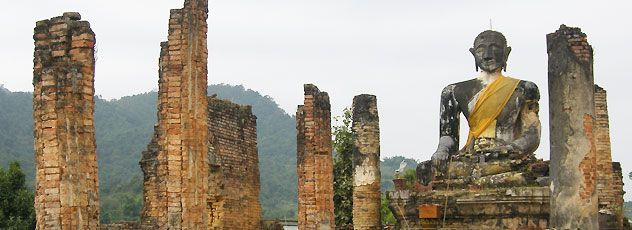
{"points": [[429, 211]]}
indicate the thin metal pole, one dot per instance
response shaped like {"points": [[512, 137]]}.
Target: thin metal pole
{"points": [[447, 188]]}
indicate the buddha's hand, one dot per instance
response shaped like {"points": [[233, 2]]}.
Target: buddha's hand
{"points": [[439, 157]]}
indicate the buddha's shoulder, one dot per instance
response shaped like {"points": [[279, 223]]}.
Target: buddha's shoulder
{"points": [[529, 89], [472, 83], [528, 85]]}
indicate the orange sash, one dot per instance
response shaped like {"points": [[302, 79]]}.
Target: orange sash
{"points": [[489, 104]]}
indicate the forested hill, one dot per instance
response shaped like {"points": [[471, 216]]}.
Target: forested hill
{"points": [[124, 128]]}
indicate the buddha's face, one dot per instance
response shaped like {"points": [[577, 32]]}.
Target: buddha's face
{"points": [[490, 51]]}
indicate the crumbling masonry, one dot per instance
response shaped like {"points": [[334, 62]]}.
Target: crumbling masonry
{"points": [[67, 187], [314, 161], [234, 185], [176, 194], [366, 163], [609, 177], [572, 129]]}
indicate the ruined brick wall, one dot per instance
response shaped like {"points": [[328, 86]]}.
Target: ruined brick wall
{"points": [[67, 187], [366, 163], [609, 178], [617, 185], [572, 130], [314, 161], [234, 183], [606, 179], [153, 180], [178, 201]]}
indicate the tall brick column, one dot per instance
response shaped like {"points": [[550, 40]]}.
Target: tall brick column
{"points": [[572, 117], [610, 195], [314, 162], [366, 163], [234, 182], [179, 197], [605, 176], [67, 186]]}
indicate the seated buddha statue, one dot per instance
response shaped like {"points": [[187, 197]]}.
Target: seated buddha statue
{"points": [[502, 115]]}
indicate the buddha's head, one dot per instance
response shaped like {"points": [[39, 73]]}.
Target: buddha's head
{"points": [[490, 51]]}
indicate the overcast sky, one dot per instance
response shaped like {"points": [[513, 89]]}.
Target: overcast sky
{"points": [[402, 51]]}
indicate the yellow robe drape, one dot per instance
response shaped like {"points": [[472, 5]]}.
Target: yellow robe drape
{"points": [[488, 105]]}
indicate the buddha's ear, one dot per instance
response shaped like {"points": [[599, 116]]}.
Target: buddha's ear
{"points": [[472, 50], [507, 51]]}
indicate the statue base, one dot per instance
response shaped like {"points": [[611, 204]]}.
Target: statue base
{"points": [[474, 208]]}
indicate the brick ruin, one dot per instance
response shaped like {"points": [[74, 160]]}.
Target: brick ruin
{"points": [[234, 185], [366, 163], [572, 131], [607, 191], [609, 177], [175, 199], [152, 181], [314, 161], [67, 185], [605, 184], [201, 166]]}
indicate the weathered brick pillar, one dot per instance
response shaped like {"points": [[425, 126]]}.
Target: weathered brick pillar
{"points": [[67, 186], [314, 162], [179, 201], [234, 182], [617, 187], [154, 182], [572, 116], [605, 176], [366, 163], [609, 194]]}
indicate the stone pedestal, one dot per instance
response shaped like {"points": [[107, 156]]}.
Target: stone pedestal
{"points": [[502, 208]]}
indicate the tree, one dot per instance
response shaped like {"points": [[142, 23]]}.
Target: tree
{"points": [[343, 170], [16, 202], [387, 215], [411, 177]]}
